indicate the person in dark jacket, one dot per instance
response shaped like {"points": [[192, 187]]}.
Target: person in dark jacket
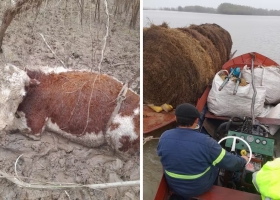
{"points": [[191, 160]]}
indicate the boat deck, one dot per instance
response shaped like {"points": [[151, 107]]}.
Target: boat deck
{"points": [[153, 121], [222, 193], [262, 120]]}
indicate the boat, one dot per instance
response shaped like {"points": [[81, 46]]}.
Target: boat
{"points": [[210, 122]]}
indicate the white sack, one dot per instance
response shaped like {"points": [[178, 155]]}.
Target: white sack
{"points": [[266, 109], [271, 81], [224, 103], [269, 77], [274, 113], [247, 75]]}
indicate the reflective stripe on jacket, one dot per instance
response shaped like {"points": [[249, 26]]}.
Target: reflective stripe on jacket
{"points": [[189, 177], [267, 180]]}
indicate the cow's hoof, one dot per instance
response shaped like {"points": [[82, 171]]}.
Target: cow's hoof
{"points": [[32, 136]]}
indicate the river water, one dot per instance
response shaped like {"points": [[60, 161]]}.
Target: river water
{"points": [[249, 33]]}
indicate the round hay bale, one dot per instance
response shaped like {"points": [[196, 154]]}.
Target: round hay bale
{"points": [[176, 66], [179, 63], [219, 37], [207, 44]]}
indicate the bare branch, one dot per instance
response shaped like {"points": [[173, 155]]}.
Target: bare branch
{"points": [[89, 101], [18, 7], [67, 194], [97, 10], [63, 186], [118, 64], [106, 35], [52, 50]]}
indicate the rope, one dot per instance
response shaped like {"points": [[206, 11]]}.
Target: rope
{"points": [[121, 97]]}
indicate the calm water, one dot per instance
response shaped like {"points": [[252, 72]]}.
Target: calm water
{"points": [[248, 33]]}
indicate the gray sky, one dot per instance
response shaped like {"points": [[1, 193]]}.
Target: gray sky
{"points": [[265, 4]]}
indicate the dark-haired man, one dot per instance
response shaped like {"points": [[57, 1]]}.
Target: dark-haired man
{"points": [[190, 159]]}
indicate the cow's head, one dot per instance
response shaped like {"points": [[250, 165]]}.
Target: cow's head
{"points": [[12, 91], [13, 81]]}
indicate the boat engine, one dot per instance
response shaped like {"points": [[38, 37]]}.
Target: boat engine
{"points": [[261, 145]]}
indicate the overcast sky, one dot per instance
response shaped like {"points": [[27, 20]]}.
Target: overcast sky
{"points": [[265, 4]]}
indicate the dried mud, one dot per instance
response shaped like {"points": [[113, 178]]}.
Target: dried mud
{"points": [[53, 158]]}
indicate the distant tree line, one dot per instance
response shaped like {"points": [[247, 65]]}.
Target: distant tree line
{"points": [[224, 8], [199, 9], [231, 9]]}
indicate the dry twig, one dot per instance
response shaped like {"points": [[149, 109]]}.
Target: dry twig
{"points": [[67, 194], [89, 104], [118, 64], [58, 185], [63, 186], [52, 50], [106, 35]]}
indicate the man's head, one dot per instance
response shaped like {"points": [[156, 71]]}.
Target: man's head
{"points": [[186, 114]]}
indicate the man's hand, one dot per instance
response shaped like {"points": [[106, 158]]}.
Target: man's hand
{"points": [[246, 158]]}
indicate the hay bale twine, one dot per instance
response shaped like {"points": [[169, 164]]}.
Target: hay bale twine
{"points": [[179, 63]]}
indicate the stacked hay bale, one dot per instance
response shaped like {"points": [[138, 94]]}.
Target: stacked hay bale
{"points": [[219, 37], [206, 43], [179, 63]]}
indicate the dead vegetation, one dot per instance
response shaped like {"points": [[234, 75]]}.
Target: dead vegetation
{"points": [[179, 63]]}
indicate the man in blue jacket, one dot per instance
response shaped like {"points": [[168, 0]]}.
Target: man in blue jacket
{"points": [[191, 160]]}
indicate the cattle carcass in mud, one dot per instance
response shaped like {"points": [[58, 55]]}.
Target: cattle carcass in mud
{"points": [[86, 107]]}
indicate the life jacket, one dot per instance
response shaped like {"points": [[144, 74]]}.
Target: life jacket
{"points": [[267, 180]]}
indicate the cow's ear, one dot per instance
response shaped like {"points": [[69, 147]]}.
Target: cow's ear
{"points": [[17, 115], [34, 82]]}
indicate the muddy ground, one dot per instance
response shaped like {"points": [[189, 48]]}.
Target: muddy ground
{"points": [[53, 158]]}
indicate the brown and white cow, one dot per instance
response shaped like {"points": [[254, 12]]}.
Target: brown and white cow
{"points": [[75, 104]]}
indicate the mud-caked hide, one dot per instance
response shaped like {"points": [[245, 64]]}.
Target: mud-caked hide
{"points": [[12, 83]]}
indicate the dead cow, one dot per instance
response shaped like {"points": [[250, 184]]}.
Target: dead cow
{"points": [[87, 108]]}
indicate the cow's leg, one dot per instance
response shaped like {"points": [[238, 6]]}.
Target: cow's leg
{"points": [[122, 133], [89, 139]]}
